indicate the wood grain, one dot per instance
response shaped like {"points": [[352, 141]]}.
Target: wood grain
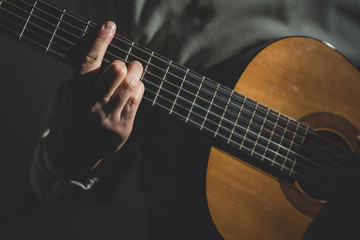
{"points": [[295, 76]]}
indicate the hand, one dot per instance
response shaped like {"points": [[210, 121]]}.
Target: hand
{"points": [[93, 112]]}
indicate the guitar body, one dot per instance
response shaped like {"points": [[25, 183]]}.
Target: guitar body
{"points": [[302, 78], [298, 77]]}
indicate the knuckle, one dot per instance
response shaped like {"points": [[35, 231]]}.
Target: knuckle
{"points": [[103, 37], [118, 68], [105, 100], [91, 58], [131, 103], [108, 124], [134, 102], [136, 98], [128, 86]]}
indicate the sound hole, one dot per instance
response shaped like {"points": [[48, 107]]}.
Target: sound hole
{"points": [[308, 196], [323, 160]]}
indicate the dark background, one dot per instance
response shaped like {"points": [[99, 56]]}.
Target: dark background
{"points": [[29, 80]]}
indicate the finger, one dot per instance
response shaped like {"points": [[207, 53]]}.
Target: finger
{"points": [[110, 80], [127, 86], [129, 111], [95, 55]]}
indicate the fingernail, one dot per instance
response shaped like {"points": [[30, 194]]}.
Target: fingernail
{"points": [[135, 62], [109, 26]]}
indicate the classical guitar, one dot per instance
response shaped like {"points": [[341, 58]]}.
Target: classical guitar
{"points": [[286, 133]]}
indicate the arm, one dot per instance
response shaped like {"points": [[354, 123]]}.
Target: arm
{"points": [[92, 118]]}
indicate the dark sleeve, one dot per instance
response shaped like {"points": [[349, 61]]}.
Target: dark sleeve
{"points": [[53, 189]]}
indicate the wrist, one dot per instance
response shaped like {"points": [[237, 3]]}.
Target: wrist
{"points": [[69, 163]]}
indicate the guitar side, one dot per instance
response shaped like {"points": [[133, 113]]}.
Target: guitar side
{"points": [[296, 76]]}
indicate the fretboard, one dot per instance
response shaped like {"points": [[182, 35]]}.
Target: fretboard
{"points": [[243, 124]]}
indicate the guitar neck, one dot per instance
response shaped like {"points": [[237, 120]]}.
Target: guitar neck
{"points": [[193, 98]]}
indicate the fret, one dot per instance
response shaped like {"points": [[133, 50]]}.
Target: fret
{"points": [[161, 84], [74, 16], [280, 143], [236, 121], [217, 121], [153, 77], [290, 147], [72, 28], [292, 168], [223, 115], [146, 66], [27, 21], [167, 70], [276, 145], [118, 49], [57, 26], [211, 103], [205, 96], [9, 28], [270, 139], [178, 93], [189, 96], [258, 135], [275, 152], [149, 93], [304, 136], [46, 18], [86, 28], [129, 52], [183, 90], [229, 117], [248, 127], [196, 96], [158, 65], [156, 68], [36, 29], [139, 54], [172, 81]]}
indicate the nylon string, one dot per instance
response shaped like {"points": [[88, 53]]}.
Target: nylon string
{"points": [[215, 123], [265, 152], [226, 90], [275, 125], [209, 119]]}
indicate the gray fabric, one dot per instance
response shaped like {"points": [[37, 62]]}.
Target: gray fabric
{"points": [[201, 33]]}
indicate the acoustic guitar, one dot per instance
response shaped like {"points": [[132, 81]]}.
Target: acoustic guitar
{"points": [[285, 136]]}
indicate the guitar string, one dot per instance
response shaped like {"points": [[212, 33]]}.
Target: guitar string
{"points": [[264, 119], [226, 137], [282, 155], [163, 106], [255, 134], [319, 184], [191, 93], [198, 78], [279, 145], [298, 174]]}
